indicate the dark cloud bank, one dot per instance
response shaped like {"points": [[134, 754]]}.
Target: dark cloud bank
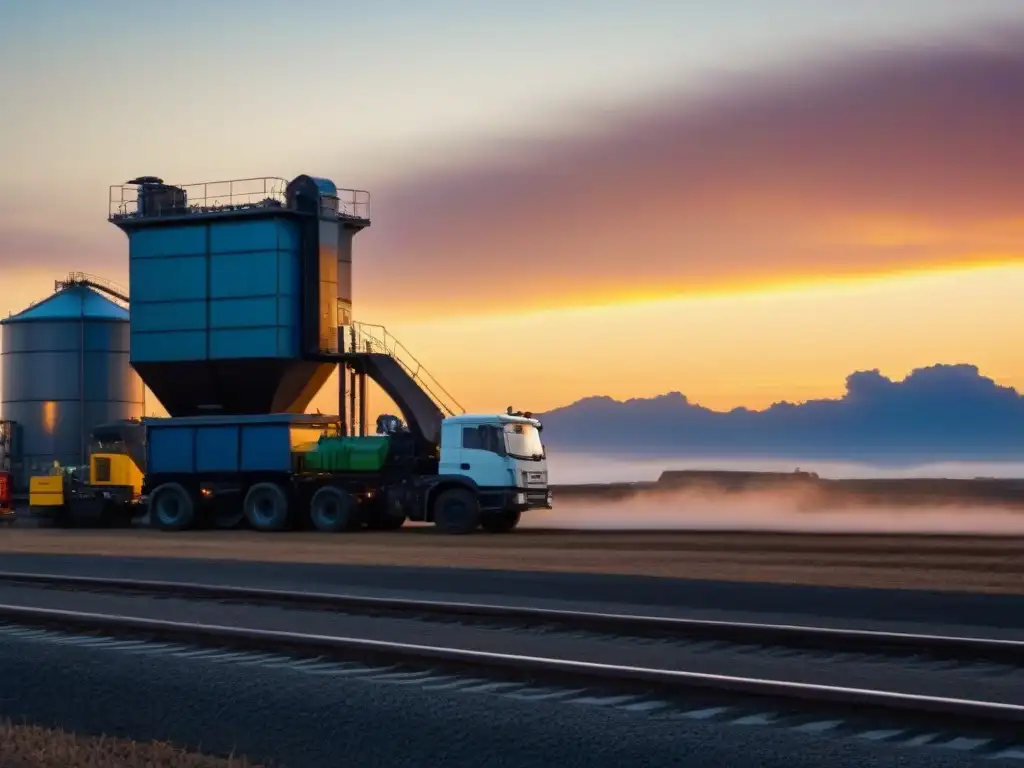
{"points": [[946, 412], [746, 181]]}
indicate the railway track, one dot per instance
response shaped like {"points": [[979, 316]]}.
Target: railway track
{"points": [[993, 719], [953, 648]]}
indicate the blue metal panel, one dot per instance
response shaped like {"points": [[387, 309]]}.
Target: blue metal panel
{"points": [[253, 273], [288, 341], [243, 342], [169, 316], [167, 241], [238, 236], [169, 449], [288, 310], [168, 346], [174, 278], [244, 313], [289, 272], [289, 237], [266, 448], [217, 449]]}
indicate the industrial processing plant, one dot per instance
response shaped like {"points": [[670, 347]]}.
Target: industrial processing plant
{"points": [[240, 310]]}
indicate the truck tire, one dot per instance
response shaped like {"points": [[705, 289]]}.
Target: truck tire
{"points": [[171, 508], [500, 522], [457, 511], [332, 510], [266, 507]]}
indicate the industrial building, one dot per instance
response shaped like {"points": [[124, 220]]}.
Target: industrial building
{"points": [[65, 371]]}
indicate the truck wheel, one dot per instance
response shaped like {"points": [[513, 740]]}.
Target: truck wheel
{"points": [[266, 507], [457, 511], [502, 522], [171, 508], [332, 510]]}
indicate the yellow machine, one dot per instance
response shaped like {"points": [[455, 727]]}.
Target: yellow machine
{"points": [[106, 493]]}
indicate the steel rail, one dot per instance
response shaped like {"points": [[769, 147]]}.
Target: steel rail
{"points": [[788, 635], [677, 681]]}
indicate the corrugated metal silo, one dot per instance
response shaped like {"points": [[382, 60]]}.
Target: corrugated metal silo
{"points": [[65, 371]]}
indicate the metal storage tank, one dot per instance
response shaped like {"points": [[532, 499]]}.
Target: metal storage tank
{"points": [[238, 289], [66, 371]]}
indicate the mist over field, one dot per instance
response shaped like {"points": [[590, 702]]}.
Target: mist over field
{"points": [[570, 468], [788, 510]]}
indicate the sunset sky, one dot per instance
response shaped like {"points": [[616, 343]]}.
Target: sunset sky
{"points": [[569, 198]]}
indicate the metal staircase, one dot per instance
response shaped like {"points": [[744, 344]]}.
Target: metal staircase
{"points": [[365, 338]]}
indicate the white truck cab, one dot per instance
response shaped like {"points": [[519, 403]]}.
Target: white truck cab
{"points": [[501, 455]]}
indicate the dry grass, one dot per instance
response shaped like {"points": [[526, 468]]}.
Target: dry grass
{"points": [[954, 563], [29, 746]]}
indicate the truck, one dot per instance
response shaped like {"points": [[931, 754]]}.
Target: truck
{"points": [[276, 472], [281, 471]]}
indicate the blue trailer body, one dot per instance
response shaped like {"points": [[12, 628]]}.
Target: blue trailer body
{"points": [[228, 444]]}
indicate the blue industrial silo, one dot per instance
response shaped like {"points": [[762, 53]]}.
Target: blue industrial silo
{"points": [[238, 289]]}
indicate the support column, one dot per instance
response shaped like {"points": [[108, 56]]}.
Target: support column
{"points": [[352, 400], [362, 402], [342, 400]]}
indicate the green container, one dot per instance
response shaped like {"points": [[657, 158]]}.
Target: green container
{"points": [[368, 454], [348, 454]]}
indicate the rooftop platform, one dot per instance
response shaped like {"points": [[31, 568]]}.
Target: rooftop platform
{"points": [[148, 199]]}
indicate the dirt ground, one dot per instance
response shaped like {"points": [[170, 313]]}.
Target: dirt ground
{"points": [[954, 563], [28, 746]]}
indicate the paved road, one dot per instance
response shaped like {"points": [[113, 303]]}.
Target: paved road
{"points": [[320, 718], [992, 615]]}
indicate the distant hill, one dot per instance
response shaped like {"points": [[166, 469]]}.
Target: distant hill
{"points": [[945, 412]]}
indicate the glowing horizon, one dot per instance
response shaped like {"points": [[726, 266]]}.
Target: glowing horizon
{"points": [[722, 351]]}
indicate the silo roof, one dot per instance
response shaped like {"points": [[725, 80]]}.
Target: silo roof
{"points": [[76, 302]]}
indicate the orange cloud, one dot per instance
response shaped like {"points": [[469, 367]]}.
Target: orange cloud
{"points": [[888, 162]]}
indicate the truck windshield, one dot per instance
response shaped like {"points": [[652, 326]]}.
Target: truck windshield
{"points": [[522, 441]]}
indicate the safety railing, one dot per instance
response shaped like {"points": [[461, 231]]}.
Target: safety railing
{"points": [[109, 287], [366, 337], [151, 197], [349, 203]]}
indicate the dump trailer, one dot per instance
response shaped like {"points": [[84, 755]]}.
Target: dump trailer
{"points": [[106, 493], [286, 471]]}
